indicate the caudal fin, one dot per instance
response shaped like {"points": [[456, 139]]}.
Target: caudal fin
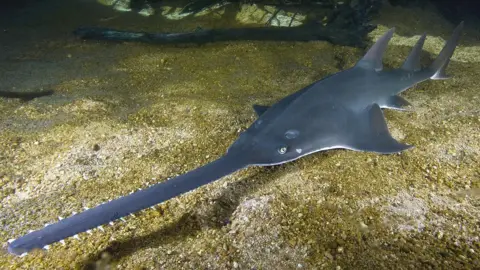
{"points": [[440, 64]]}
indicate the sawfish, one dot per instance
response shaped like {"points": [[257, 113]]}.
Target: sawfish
{"points": [[343, 110]]}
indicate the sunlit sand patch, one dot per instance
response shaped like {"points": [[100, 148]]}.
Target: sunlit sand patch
{"points": [[255, 232], [412, 212]]}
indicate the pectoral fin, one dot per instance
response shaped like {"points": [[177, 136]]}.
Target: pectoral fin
{"points": [[260, 109], [369, 132]]}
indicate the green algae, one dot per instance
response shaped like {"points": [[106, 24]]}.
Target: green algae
{"points": [[186, 105]]}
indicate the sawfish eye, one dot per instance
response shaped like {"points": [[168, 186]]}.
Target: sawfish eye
{"points": [[282, 150]]}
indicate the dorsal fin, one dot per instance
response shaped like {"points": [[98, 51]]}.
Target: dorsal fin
{"points": [[373, 58], [412, 63]]}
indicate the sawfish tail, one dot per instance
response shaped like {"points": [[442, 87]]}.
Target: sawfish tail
{"points": [[123, 206], [440, 64]]}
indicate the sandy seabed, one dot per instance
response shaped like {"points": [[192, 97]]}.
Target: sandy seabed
{"points": [[127, 115]]}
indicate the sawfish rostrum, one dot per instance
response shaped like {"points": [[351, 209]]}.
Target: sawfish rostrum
{"points": [[340, 111]]}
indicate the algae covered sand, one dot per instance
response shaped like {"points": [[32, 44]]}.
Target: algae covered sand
{"points": [[128, 115]]}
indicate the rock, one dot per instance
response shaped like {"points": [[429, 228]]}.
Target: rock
{"points": [[253, 14]]}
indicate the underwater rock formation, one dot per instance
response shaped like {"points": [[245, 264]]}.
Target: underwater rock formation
{"points": [[342, 23]]}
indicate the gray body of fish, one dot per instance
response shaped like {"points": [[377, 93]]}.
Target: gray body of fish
{"points": [[340, 111]]}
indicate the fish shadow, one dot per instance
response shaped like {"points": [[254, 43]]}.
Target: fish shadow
{"points": [[214, 215], [181, 229], [26, 96]]}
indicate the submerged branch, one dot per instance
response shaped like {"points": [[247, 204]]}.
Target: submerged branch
{"points": [[308, 32]]}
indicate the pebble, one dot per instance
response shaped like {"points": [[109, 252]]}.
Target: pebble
{"points": [[363, 226]]}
